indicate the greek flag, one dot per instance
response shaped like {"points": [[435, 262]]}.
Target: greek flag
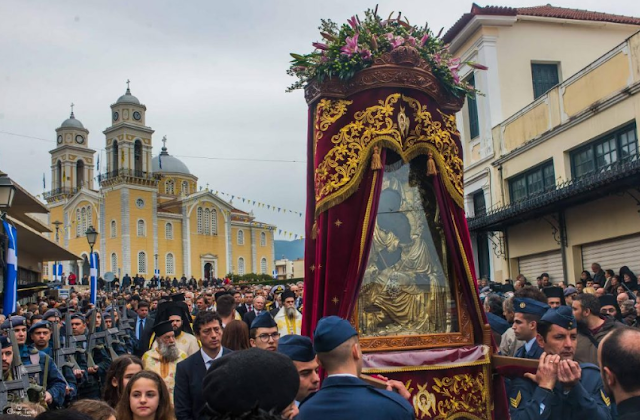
{"points": [[94, 277], [157, 272], [11, 284]]}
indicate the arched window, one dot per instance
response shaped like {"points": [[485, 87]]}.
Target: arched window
{"points": [[185, 188], [114, 263], [89, 216], [142, 262], [199, 219], [263, 266], [78, 223], [80, 174], [169, 186], [170, 264], [263, 239], [241, 237], [83, 213], [207, 220], [114, 231], [241, 266], [214, 222], [141, 230], [168, 231]]}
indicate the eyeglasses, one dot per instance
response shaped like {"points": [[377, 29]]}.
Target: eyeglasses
{"points": [[265, 337]]}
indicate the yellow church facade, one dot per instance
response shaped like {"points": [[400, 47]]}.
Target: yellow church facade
{"points": [[149, 212]]}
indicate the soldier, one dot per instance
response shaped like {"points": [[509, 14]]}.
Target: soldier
{"points": [[300, 350], [117, 345], [40, 335], [264, 332], [90, 377], [343, 395], [48, 377], [527, 315], [561, 389]]}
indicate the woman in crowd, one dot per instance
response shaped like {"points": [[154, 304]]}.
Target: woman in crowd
{"points": [[628, 310], [612, 284], [236, 336], [97, 410], [145, 397], [630, 279], [120, 372], [585, 276]]}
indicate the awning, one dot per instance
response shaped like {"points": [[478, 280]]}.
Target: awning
{"points": [[34, 243], [24, 203]]}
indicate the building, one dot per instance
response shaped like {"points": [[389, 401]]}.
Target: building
{"points": [[551, 166], [33, 247], [290, 269], [149, 211]]}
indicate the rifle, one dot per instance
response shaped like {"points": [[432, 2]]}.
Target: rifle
{"points": [[72, 348], [91, 340], [20, 380]]}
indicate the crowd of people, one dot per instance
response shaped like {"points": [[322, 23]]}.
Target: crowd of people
{"points": [[582, 336]]}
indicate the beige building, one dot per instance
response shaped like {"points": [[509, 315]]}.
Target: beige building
{"points": [[290, 269], [150, 213], [551, 148]]}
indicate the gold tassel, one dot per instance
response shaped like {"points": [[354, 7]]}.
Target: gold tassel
{"points": [[376, 162], [314, 230], [431, 165]]}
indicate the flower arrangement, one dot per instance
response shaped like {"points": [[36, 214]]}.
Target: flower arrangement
{"points": [[355, 45]]}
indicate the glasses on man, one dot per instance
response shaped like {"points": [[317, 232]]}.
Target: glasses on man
{"points": [[266, 337]]}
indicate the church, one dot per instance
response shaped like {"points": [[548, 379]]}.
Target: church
{"points": [[149, 211]]}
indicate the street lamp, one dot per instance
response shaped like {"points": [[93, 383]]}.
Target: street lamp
{"points": [[57, 224], [92, 235], [7, 192]]}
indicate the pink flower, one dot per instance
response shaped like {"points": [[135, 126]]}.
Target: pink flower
{"points": [[365, 54], [477, 66], [353, 22], [320, 46], [374, 42], [411, 41], [424, 39], [454, 64], [437, 58], [456, 77], [397, 41], [351, 46]]}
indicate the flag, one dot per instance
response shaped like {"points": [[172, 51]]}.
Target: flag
{"points": [[98, 165], [44, 185], [11, 282], [93, 271], [160, 160]]}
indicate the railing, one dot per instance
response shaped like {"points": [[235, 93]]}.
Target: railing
{"points": [[123, 172], [60, 191], [565, 190]]}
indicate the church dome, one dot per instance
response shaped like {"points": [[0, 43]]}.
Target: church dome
{"points": [[71, 122], [128, 98], [170, 164]]}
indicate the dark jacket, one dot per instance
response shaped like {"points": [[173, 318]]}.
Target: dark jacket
{"points": [[629, 409], [142, 345], [587, 348], [534, 353], [187, 393], [347, 397]]}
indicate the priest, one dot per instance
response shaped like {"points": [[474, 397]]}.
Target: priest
{"points": [[288, 318]]}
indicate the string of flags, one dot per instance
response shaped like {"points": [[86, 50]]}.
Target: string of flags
{"points": [[259, 204]]}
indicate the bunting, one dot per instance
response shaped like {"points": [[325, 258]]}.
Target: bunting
{"points": [[259, 204]]}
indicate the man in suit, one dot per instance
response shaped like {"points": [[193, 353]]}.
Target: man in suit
{"points": [[258, 308], [142, 329], [527, 315], [188, 397], [247, 306], [343, 395]]}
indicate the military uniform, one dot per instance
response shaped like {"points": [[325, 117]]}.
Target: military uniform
{"points": [[586, 400], [533, 353], [531, 307], [67, 373], [91, 384], [55, 383]]}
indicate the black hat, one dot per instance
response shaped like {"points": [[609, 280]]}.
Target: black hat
{"points": [[218, 294], [14, 321], [38, 325], [554, 292], [162, 328], [330, 332], [264, 320], [5, 342], [606, 300], [249, 375], [287, 294], [561, 316], [168, 308], [298, 347], [177, 297], [173, 310], [529, 306]]}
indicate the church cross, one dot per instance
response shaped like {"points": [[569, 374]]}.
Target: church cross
{"points": [[164, 142], [127, 84], [72, 105]]}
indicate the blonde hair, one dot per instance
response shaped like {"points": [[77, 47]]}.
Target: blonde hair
{"points": [[589, 290]]}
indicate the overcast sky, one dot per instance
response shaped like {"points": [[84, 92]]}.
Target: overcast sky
{"points": [[211, 73]]}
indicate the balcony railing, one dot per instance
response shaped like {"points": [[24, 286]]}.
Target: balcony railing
{"points": [[609, 177], [128, 173], [60, 191]]}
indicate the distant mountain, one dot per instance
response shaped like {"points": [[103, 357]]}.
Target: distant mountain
{"points": [[290, 250]]}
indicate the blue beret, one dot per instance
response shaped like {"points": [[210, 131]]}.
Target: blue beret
{"points": [[52, 312], [14, 321], [264, 320], [529, 306], [298, 347], [79, 316], [561, 316], [106, 315], [38, 325], [330, 332], [5, 342]]}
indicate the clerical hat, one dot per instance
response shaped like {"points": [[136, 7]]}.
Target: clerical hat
{"points": [[162, 328]]}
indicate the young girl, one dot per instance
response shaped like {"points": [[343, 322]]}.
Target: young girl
{"points": [[145, 397], [120, 372]]}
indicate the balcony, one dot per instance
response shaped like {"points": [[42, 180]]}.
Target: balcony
{"points": [[60, 192], [124, 175], [614, 178]]}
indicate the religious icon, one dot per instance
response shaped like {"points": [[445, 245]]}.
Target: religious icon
{"points": [[406, 289]]}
